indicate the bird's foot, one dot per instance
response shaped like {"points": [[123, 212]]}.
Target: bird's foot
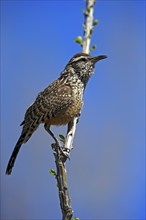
{"points": [[58, 149], [66, 153]]}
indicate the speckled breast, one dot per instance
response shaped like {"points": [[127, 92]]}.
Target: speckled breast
{"points": [[68, 114]]}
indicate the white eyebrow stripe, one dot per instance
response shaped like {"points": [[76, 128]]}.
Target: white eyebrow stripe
{"points": [[79, 58]]}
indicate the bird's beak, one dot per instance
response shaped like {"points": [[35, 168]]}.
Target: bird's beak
{"points": [[97, 58]]}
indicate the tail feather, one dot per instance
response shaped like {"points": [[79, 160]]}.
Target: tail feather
{"points": [[15, 153], [25, 135]]}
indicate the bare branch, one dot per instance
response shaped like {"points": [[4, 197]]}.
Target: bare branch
{"points": [[65, 202], [88, 25]]}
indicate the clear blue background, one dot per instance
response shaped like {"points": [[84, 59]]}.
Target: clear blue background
{"points": [[106, 172]]}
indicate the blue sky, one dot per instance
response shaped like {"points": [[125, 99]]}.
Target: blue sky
{"points": [[106, 172]]}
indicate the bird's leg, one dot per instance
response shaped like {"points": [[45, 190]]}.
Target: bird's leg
{"points": [[47, 128], [57, 142], [53, 136]]}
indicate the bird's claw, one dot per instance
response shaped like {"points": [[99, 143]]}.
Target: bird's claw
{"points": [[64, 152]]}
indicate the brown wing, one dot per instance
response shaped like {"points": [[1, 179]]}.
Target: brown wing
{"points": [[58, 100], [53, 101]]}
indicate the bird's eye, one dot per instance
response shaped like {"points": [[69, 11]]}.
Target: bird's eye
{"points": [[83, 59]]}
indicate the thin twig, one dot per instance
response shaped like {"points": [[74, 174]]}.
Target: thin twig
{"points": [[88, 25]]}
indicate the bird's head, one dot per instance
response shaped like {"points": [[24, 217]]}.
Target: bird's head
{"points": [[82, 65]]}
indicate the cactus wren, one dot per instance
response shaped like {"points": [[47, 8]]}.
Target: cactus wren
{"points": [[60, 102]]}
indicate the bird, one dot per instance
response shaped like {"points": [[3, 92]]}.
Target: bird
{"points": [[59, 102]]}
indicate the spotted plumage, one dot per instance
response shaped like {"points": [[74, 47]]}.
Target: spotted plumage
{"points": [[60, 102]]}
